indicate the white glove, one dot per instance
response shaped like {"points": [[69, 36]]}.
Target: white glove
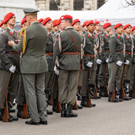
{"points": [[107, 60], [127, 62], [56, 71], [98, 61], [12, 69], [119, 63], [89, 64]]}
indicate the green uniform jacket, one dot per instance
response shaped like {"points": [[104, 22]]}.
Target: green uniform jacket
{"points": [[7, 57], [116, 46], [34, 59], [68, 62], [105, 49], [49, 52], [89, 50], [128, 47]]}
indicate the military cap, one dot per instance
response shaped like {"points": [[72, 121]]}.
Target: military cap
{"points": [[133, 28], [117, 25], [75, 21], [23, 21], [58, 22], [127, 25], [64, 17], [106, 25], [89, 22], [30, 11], [55, 22], [97, 22], [46, 20], [84, 24], [1, 23], [7, 17], [40, 20]]}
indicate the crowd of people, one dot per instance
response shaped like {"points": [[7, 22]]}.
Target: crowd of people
{"points": [[57, 62]]}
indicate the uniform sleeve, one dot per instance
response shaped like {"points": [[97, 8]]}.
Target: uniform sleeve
{"points": [[112, 47], [18, 47], [5, 60]]}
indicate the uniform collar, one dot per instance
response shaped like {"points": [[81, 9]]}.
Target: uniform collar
{"points": [[90, 34], [69, 27], [11, 30]]}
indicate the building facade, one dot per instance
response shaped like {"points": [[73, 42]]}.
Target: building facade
{"points": [[69, 4]]}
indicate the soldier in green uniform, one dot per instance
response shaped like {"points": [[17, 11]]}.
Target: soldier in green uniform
{"points": [[116, 61], [9, 65], [68, 49], [128, 43], [103, 71], [90, 66], [50, 80], [33, 67], [132, 79]]}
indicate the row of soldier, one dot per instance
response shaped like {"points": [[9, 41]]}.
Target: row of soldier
{"points": [[84, 62]]}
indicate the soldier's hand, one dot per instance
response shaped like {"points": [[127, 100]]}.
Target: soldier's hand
{"points": [[127, 62], [119, 63], [107, 60], [99, 61], [12, 69], [89, 64], [11, 42]]}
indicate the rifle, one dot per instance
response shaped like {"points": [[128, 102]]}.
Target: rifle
{"points": [[6, 111], [25, 111]]}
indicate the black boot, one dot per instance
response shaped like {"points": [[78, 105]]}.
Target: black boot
{"points": [[79, 97], [131, 94], [102, 91], [84, 101], [70, 113], [63, 110]]}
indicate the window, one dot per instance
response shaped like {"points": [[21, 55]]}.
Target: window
{"points": [[78, 4], [100, 3], [54, 4]]}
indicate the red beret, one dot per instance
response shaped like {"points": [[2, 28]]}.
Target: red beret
{"points": [[89, 22], [63, 17], [127, 25], [58, 22], [1, 23], [23, 21], [40, 20], [84, 24], [75, 21], [7, 17], [46, 20], [97, 22], [55, 22], [133, 28], [117, 25], [106, 25]]}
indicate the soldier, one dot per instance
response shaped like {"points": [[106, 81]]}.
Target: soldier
{"points": [[115, 64], [68, 48], [76, 25], [132, 80], [85, 27], [9, 67], [103, 71], [89, 71], [128, 48], [33, 67], [55, 27], [49, 81], [3, 25]]}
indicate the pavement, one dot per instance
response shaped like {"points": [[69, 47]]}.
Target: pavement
{"points": [[105, 119]]}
